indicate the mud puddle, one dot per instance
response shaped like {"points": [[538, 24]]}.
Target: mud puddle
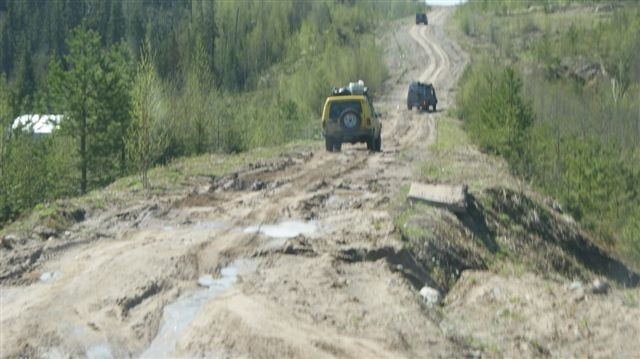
{"points": [[179, 314], [100, 351], [48, 277], [282, 231]]}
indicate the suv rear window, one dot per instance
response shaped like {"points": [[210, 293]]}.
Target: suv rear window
{"points": [[423, 89], [338, 107]]}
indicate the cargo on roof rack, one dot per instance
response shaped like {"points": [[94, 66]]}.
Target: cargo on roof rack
{"points": [[354, 88]]}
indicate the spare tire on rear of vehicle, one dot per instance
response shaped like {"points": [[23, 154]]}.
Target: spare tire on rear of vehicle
{"points": [[350, 119]]}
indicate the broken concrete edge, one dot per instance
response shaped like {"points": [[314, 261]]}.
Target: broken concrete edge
{"points": [[450, 197]]}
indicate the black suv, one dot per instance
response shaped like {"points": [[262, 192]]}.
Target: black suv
{"points": [[422, 96], [421, 18]]}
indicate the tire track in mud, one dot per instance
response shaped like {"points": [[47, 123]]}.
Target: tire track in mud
{"points": [[439, 60], [439, 71], [417, 34], [445, 62]]}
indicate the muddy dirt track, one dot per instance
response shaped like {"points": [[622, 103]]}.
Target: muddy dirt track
{"points": [[292, 257]]}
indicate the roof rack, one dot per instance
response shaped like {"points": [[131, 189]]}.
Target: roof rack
{"points": [[354, 88]]}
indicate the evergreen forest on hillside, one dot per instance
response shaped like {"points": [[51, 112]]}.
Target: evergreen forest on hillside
{"points": [[556, 93], [142, 82]]}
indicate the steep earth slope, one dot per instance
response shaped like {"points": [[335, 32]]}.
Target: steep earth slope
{"points": [[299, 256]]}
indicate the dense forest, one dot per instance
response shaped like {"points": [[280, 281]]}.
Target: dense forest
{"points": [[142, 82], [556, 93]]}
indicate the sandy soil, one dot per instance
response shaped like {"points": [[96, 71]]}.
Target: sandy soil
{"points": [[294, 257]]}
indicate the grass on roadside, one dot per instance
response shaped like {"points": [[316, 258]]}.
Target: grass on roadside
{"points": [[449, 136]]}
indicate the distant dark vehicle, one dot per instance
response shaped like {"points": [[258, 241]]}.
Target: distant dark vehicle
{"points": [[422, 96], [421, 18]]}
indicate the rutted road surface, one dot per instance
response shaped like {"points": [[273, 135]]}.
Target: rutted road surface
{"points": [[292, 257], [289, 240]]}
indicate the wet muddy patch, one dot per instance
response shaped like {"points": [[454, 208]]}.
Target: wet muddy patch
{"points": [[310, 207], [280, 232], [178, 315], [285, 229], [48, 277], [99, 351]]}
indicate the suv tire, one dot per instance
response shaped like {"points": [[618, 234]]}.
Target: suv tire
{"points": [[349, 119], [332, 144], [371, 143], [328, 144], [377, 144]]}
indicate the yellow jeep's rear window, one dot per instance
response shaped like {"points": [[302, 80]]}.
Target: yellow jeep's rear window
{"points": [[337, 108]]}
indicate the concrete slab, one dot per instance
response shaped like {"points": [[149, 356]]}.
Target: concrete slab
{"points": [[453, 198]]}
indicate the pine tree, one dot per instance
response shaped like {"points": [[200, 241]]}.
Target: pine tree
{"points": [[26, 81], [117, 25], [79, 88], [115, 103]]}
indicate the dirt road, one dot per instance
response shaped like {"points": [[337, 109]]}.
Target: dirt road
{"points": [[292, 257], [298, 285]]}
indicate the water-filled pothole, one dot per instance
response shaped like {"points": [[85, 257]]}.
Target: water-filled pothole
{"points": [[47, 277], [179, 314], [99, 351], [282, 231]]}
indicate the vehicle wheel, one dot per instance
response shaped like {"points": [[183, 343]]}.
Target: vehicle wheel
{"points": [[434, 107], [371, 143], [337, 146], [377, 144], [350, 119], [328, 144]]}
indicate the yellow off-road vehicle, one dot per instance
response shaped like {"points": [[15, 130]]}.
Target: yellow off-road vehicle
{"points": [[348, 116]]}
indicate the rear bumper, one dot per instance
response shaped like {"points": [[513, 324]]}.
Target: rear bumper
{"points": [[337, 132], [424, 104]]}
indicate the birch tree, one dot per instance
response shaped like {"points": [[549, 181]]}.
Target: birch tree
{"points": [[147, 133]]}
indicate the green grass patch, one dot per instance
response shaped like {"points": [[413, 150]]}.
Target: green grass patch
{"points": [[449, 136], [410, 220]]}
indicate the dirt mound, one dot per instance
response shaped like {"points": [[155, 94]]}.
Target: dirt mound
{"points": [[503, 225], [549, 239]]}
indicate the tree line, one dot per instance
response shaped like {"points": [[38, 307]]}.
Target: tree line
{"points": [[142, 82]]}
